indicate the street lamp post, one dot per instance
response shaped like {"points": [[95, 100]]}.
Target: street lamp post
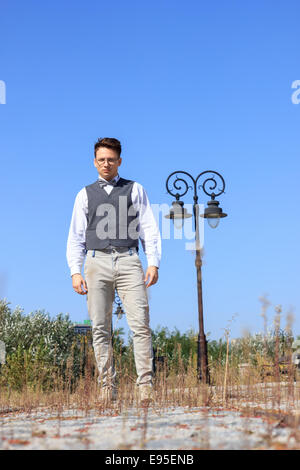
{"points": [[213, 213]]}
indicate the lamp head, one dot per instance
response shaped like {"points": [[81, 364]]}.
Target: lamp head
{"points": [[213, 213], [178, 213]]}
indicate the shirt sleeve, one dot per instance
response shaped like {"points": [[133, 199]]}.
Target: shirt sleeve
{"points": [[76, 245], [149, 232]]}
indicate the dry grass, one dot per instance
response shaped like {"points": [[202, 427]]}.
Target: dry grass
{"points": [[234, 386], [242, 390]]}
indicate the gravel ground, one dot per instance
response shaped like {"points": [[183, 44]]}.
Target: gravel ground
{"points": [[173, 428]]}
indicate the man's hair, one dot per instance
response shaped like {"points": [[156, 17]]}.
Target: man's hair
{"points": [[110, 143]]}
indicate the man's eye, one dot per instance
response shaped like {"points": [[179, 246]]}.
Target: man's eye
{"points": [[111, 161]]}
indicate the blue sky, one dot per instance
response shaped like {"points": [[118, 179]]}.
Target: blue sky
{"points": [[187, 86]]}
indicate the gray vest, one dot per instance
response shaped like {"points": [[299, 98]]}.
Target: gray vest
{"points": [[112, 219]]}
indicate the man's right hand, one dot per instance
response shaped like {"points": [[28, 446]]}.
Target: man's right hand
{"points": [[78, 282]]}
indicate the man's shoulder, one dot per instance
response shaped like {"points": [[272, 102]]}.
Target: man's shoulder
{"points": [[90, 185], [139, 186]]}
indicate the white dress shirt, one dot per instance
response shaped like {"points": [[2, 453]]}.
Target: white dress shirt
{"points": [[149, 232]]}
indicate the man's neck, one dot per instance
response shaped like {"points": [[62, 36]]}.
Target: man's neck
{"points": [[114, 178]]}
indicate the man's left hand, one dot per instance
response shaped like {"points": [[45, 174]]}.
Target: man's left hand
{"points": [[151, 276]]}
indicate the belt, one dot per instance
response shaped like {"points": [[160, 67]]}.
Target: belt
{"points": [[118, 249]]}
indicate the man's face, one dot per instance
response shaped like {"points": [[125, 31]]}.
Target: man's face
{"points": [[107, 163]]}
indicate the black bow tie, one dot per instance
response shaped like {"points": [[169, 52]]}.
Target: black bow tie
{"points": [[107, 183]]}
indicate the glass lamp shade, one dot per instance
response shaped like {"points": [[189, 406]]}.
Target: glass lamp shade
{"points": [[178, 223], [213, 222]]}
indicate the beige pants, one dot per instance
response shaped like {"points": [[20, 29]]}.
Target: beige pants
{"points": [[120, 269]]}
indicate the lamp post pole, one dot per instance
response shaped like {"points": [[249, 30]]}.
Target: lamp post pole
{"points": [[212, 213], [202, 361]]}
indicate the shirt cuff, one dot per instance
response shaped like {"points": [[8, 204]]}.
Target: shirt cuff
{"points": [[152, 261], [75, 270]]}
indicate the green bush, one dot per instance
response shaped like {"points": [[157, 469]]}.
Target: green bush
{"points": [[20, 331], [177, 348], [37, 347]]}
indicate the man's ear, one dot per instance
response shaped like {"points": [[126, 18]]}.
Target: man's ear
{"points": [[119, 161]]}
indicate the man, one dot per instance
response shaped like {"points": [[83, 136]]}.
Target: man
{"points": [[109, 218]]}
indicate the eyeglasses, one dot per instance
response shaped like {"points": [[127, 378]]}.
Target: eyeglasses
{"points": [[110, 161]]}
